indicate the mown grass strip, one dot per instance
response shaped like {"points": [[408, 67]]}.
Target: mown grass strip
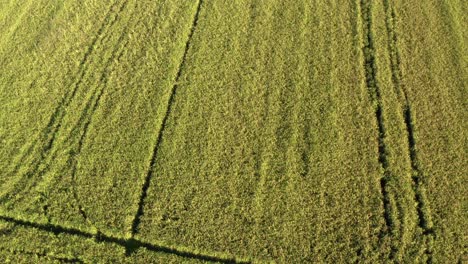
{"points": [[130, 245], [422, 205], [146, 183]]}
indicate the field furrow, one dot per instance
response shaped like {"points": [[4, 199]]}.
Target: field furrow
{"points": [[108, 55], [39, 174], [423, 208], [135, 141], [40, 23], [402, 193]]}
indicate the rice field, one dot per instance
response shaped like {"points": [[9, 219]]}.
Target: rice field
{"points": [[233, 131]]}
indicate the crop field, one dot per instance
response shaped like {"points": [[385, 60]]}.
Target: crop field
{"points": [[242, 131]]}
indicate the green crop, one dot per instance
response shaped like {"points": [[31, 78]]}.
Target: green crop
{"points": [[233, 131]]}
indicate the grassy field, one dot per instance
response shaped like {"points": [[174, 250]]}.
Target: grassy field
{"points": [[233, 131]]}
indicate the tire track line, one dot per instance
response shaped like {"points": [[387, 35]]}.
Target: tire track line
{"points": [[130, 245], [26, 150], [86, 119], [60, 110], [80, 130], [372, 85], [149, 174], [422, 206], [48, 134]]}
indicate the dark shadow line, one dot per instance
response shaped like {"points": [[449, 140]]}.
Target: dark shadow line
{"points": [[144, 191], [370, 69], [423, 219], [130, 245]]}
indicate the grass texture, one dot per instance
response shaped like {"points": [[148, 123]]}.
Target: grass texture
{"points": [[233, 131]]}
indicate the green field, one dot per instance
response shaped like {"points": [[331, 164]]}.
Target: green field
{"points": [[158, 131]]}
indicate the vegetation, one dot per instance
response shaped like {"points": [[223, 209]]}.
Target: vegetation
{"points": [[233, 131]]}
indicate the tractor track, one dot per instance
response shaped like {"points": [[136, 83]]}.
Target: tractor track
{"points": [[422, 206], [149, 173], [48, 135]]}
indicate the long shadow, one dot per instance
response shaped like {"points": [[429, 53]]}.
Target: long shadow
{"points": [[130, 245], [149, 174]]}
